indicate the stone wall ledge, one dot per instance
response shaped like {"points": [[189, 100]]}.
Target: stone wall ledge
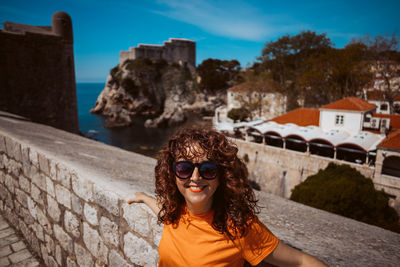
{"points": [[66, 195]]}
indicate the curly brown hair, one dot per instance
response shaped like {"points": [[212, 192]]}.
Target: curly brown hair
{"points": [[234, 202]]}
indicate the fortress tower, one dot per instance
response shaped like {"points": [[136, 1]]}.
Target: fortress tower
{"points": [[37, 78], [174, 50]]}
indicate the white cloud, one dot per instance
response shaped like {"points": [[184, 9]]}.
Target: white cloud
{"points": [[233, 19]]}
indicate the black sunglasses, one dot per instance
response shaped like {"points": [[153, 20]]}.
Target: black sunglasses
{"points": [[208, 170]]}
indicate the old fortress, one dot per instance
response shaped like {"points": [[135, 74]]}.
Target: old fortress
{"points": [[175, 50]]}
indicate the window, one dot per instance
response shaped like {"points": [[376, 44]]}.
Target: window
{"points": [[339, 119], [231, 94], [384, 107]]}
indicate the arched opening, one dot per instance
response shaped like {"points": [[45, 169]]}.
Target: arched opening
{"points": [[273, 139], [391, 166], [255, 136], [352, 153], [322, 148], [294, 142]]}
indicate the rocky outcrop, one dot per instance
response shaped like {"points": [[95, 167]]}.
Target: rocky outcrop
{"points": [[163, 92]]}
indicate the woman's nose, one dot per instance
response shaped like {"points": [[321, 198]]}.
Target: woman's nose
{"points": [[195, 175]]}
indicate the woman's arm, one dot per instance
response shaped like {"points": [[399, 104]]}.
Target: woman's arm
{"points": [[284, 255], [146, 199]]}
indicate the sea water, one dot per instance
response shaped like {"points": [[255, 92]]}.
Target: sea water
{"points": [[136, 138]]}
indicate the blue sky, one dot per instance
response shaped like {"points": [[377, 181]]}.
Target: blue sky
{"points": [[224, 29]]}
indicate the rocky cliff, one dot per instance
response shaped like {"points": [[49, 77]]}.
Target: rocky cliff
{"points": [[163, 92]]}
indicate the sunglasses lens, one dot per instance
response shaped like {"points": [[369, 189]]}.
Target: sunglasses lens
{"points": [[183, 169], [208, 170]]}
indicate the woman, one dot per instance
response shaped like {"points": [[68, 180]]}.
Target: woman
{"points": [[209, 209]]}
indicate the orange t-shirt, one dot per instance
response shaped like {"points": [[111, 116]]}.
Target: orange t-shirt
{"points": [[193, 242]]}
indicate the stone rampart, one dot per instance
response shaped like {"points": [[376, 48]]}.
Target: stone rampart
{"points": [[37, 77], [66, 195], [174, 50], [278, 170]]}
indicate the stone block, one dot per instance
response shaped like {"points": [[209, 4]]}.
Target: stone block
{"points": [[2, 161], [39, 179], [49, 244], [3, 147], [58, 255], [28, 219], [82, 188], [90, 214], [137, 218], [53, 169], [43, 164], [37, 195], [44, 254], [21, 197], [17, 151], [83, 256], [4, 251], [63, 196], [71, 262], [20, 256], [9, 182], [2, 176], [63, 176], [51, 262], [33, 156], [31, 207], [9, 146], [6, 232], [156, 230], [14, 167], [18, 246], [42, 219], [4, 262], [65, 240], [115, 259], [50, 187], [94, 243], [72, 223], [139, 251], [107, 199], [26, 163], [109, 231], [38, 229], [76, 204], [24, 184], [53, 209]]}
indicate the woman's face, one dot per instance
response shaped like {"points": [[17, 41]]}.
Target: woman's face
{"points": [[198, 192]]}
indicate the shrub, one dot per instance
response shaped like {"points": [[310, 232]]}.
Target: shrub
{"points": [[343, 190], [238, 114]]}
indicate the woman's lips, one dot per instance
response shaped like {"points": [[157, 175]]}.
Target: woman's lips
{"points": [[196, 189]]}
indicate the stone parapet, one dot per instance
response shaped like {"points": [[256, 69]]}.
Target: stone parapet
{"points": [[66, 195]]}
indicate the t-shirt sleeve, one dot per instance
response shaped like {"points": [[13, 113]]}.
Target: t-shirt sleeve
{"points": [[258, 242]]}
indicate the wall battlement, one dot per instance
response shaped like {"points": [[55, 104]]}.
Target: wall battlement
{"points": [[174, 50], [66, 195]]}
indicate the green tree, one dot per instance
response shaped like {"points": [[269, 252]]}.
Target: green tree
{"points": [[335, 74], [286, 59], [384, 55], [217, 74], [238, 114], [343, 190]]}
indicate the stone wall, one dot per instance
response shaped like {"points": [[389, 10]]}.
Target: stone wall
{"points": [[173, 51], [66, 195], [278, 170], [37, 78]]}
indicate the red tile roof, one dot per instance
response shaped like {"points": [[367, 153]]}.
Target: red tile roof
{"points": [[394, 119], [392, 140], [376, 95], [350, 103], [300, 117]]}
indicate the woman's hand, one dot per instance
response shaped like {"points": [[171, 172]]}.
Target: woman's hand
{"points": [[150, 201]]}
